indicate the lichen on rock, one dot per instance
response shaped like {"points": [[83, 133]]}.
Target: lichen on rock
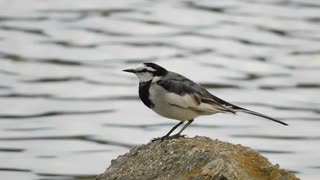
{"points": [[197, 158]]}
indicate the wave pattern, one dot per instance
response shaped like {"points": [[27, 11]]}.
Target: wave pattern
{"points": [[64, 99]]}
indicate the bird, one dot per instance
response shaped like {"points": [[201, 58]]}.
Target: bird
{"points": [[174, 96]]}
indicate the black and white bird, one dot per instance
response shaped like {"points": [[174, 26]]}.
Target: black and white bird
{"points": [[176, 97]]}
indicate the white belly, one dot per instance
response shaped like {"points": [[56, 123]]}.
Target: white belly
{"points": [[174, 112], [162, 106]]}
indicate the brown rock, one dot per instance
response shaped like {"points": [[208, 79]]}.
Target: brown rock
{"points": [[197, 158]]}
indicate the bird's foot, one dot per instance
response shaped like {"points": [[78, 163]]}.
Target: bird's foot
{"points": [[156, 139], [176, 136], [167, 137]]}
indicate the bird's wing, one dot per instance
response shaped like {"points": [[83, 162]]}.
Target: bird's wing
{"points": [[187, 94]]}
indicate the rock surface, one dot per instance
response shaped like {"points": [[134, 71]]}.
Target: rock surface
{"points": [[193, 158]]}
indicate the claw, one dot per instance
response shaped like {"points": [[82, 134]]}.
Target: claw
{"points": [[156, 139], [176, 136], [167, 137]]}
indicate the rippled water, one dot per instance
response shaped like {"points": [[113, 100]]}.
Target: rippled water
{"points": [[66, 108]]}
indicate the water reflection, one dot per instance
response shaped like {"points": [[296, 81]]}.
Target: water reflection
{"points": [[67, 109]]}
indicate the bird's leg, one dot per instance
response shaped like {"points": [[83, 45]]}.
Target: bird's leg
{"points": [[184, 127], [168, 134], [175, 127]]}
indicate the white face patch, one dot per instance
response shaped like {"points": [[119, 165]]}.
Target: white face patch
{"points": [[142, 67], [144, 74]]}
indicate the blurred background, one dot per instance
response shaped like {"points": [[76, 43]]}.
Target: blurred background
{"points": [[67, 110]]}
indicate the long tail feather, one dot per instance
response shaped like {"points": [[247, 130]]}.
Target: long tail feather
{"points": [[233, 109], [239, 109]]}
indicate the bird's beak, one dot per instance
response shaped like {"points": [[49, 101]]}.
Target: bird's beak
{"points": [[129, 70]]}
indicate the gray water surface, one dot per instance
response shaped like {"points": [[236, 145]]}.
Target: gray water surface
{"points": [[67, 110]]}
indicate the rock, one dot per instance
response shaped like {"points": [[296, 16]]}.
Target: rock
{"points": [[197, 158]]}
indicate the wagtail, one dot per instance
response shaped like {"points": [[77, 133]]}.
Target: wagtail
{"points": [[174, 96]]}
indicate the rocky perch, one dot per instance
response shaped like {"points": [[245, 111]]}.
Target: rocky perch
{"points": [[193, 158]]}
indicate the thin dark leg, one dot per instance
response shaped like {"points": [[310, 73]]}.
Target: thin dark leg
{"points": [[175, 127], [168, 134], [184, 127]]}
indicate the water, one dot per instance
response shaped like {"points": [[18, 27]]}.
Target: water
{"points": [[67, 109]]}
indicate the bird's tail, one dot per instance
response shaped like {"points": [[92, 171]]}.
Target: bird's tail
{"points": [[240, 109]]}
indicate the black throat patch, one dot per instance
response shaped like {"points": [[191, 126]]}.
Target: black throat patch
{"points": [[144, 93]]}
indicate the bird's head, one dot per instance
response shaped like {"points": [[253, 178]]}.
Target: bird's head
{"points": [[148, 71]]}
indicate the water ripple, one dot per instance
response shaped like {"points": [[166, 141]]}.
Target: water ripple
{"points": [[29, 129], [87, 12], [24, 30], [15, 169], [274, 151], [54, 61], [220, 9], [77, 137], [283, 107], [52, 113], [71, 79], [65, 176], [13, 150], [275, 137], [53, 97], [30, 19]]}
